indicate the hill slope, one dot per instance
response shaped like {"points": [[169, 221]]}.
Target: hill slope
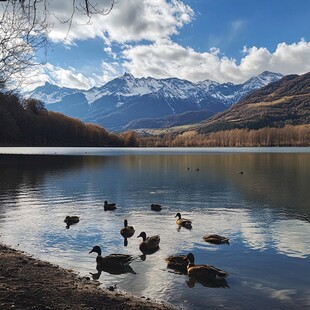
{"points": [[28, 123], [285, 102]]}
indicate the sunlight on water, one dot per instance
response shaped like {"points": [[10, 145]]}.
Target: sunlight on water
{"points": [[264, 211]]}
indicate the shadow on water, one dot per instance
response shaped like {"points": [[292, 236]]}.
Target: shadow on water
{"points": [[30, 170]]}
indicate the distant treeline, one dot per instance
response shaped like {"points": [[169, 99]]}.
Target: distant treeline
{"points": [[28, 123], [286, 136]]}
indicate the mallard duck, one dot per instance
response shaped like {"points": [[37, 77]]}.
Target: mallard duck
{"points": [[113, 263], [203, 271], [109, 206], [156, 207], [70, 220], [183, 222], [215, 239], [149, 244], [127, 231], [177, 262]]}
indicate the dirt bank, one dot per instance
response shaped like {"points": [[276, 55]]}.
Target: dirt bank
{"points": [[28, 283]]}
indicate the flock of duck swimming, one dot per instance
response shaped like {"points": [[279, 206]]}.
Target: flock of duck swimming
{"points": [[119, 263]]}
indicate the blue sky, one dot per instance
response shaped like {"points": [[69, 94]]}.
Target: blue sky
{"points": [[221, 40]]}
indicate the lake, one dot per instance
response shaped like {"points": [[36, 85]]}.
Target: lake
{"points": [[265, 212]]}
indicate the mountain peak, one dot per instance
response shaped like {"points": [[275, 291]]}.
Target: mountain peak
{"points": [[128, 75], [127, 98], [267, 73]]}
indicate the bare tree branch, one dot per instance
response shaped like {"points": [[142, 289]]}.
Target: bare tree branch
{"points": [[23, 35], [24, 30]]}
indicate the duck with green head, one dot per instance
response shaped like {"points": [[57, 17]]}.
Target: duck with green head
{"points": [[113, 263], [182, 221]]}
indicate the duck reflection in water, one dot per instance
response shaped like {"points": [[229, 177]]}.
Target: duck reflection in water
{"points": [[125, 241], [188, 227], [148, 252], [96, 276], [113, 263], [212, 283], [71, 220]]}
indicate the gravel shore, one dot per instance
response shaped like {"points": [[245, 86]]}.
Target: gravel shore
{"points": [[28, 283]]}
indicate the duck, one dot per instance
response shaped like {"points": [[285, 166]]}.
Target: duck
{"points": [[113, 263], [183, 222], [156, 207], [127, 231], [70, 220], [203, 271], [177, 263], [149, 244], [109, 206], [216, 239]]}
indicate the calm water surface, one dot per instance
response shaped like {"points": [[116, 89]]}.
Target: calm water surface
{"points": [[265, 212]]}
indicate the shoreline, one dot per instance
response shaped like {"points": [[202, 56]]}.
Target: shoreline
{"points": [[29, 283]]}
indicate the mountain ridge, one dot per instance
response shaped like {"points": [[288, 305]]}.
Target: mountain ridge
{"points": [[121, 103]]}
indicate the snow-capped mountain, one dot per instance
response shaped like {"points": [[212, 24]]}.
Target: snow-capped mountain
{"points": [[231, 93], [127, 99]]}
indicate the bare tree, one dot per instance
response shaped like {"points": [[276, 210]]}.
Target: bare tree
{"points": [[24, 29], [22, 34]]}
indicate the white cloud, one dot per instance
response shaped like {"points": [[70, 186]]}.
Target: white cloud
{"points": [[165, 58], [130, 20], [290, 237], [143, 30], [68, 77]]}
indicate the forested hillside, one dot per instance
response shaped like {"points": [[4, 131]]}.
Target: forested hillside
{"points": [[28, 123]]}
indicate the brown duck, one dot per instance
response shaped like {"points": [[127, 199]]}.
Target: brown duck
{"points": [[109, 206], [216, 239], [203, 271], [177, 263], [182, 221], [149, 244], [127, 231]]}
